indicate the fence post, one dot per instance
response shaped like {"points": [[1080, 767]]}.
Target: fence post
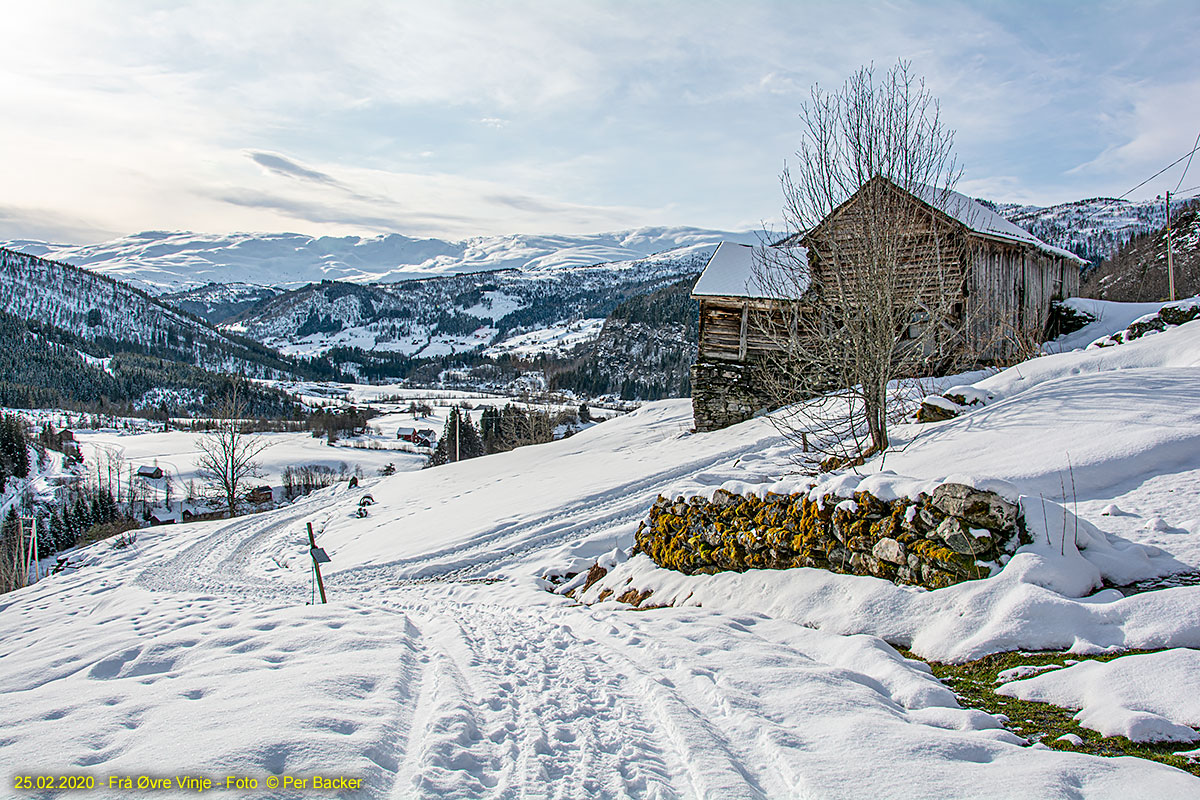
{"points": [[312, 548]]}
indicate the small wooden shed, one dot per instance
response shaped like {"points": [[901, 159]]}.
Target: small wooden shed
{"points": [[992, 275]]}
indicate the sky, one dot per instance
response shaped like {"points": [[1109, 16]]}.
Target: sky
{"points": [[457, 119]]}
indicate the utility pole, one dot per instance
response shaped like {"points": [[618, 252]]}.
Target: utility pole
{"points": [[34, 561], [457, 420], [1170, 259]]}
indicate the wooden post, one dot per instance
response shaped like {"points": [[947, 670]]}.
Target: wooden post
{"points": [[312, 543], [742, 332], [1170, 260], [20, 560], [37, 568]]}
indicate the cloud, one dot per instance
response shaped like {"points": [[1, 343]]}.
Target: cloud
{"points": [[50, 226], [281, 165], [662, 113], [322, 213], [524, 203]]}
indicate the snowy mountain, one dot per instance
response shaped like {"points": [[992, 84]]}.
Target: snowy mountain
{"points": [[457, 313], [1137, 271], [1092, 228], [161, 261], [217, 302], [114, 317], [176, 261]]}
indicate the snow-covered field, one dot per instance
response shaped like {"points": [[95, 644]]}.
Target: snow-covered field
{"points": [[178, 452], [556, 339], [443, 666]]}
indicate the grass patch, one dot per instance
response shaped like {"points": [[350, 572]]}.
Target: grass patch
{"points": [[974, 683]]}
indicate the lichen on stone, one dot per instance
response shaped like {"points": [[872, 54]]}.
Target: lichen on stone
{"points": [[916, 542]]}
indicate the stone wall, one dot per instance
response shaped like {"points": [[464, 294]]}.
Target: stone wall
{"points": [[959, 533], [724, 394]]}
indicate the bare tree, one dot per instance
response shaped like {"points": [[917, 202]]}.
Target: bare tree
{"points": [[229, 454], [872, 262]]}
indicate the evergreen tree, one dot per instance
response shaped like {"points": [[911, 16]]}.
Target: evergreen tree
{"points": [[14, 448], [10, 536], [460, 440]]}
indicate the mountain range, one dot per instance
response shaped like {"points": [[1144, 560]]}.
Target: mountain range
{"points": [[164, 262], [601, 313]]}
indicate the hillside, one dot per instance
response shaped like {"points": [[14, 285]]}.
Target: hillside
{"points": [[218, 302], [46, 367], [1092, 229], [111, 318], [1137, 272], [445, 665], [161, 261], [450, 315], [644, 350]]}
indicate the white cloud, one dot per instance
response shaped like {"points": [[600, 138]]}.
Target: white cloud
{"points": [[530, 115]]}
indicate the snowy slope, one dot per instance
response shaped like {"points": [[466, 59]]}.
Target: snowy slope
{"points": [[194, 651], [162, 261], [117, 317]]}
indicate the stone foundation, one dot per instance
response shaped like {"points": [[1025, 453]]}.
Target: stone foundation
{"points": [[959, 533], [724, 394]]}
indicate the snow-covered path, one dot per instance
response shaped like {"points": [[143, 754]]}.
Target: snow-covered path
{"points": [[442, 668]]}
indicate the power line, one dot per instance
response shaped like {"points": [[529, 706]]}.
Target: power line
{"points": [[1189, 163], [1187, 155], [1161, 171]]}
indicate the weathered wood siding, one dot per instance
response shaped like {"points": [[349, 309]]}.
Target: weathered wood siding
{"points": [[1009, 290], [928, 266], [733, 329]]}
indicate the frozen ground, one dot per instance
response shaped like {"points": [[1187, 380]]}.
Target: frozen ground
{"points": [[443, 668], [177, 452]]}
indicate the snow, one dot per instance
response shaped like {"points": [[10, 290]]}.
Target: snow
{"points": [[558, 339], [734, 271], [166, 261], [1108, 318], [178, 452], [1146, 697], [444, 667], [983, 220]]}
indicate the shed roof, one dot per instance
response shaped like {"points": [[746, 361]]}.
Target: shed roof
{"points": [[981, 219], [730, 272]]}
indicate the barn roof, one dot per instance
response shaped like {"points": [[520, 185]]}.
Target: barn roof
{"points": [[983, 220], [731, 273]]}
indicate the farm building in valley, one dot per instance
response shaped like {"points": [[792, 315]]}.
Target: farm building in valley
{"points": [[974, 272], [423, 437]]}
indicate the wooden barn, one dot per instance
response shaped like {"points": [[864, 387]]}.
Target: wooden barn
{"points": [[990, 281]]}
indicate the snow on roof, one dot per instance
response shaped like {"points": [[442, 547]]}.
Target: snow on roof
{"points": [[983, 220], [731, 273]]}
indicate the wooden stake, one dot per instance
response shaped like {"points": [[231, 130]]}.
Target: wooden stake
{"points": [[1170, 260], [312, 543]]}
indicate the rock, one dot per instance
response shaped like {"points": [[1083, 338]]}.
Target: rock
{"points": [[890, 550], [937, 409], [959, 539], [985, 509], [926, 518], [1178, 315], [724, 498]]}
